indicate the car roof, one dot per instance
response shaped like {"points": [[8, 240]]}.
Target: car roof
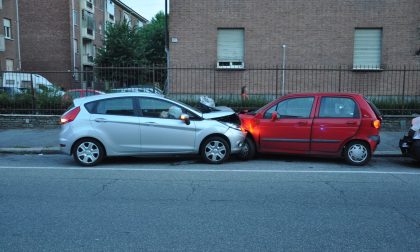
{"points": [[324, 94], [86, 99], [80, 89]]}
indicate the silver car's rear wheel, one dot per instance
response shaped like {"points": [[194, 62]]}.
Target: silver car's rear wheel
{"points": [[88, 152], [215, 150]]}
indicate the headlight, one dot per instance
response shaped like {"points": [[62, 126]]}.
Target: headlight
{"points": [[232, 125]]}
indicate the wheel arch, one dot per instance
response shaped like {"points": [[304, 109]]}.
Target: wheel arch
{"points": [[86, 138], [343, 147]]}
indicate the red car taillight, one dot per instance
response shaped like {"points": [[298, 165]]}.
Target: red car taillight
{"points": [[70, 116], [376, 124]]}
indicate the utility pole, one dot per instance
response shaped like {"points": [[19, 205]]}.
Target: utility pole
{"points": [[167, 88], [283, 72]]}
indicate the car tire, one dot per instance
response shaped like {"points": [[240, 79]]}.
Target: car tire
{"points": [[88, 152], [357, 153], [248, 150], [215, 150]]}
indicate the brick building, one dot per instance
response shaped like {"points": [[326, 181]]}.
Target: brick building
{"points": [[237, 35], [63, 35], [9, 37]]}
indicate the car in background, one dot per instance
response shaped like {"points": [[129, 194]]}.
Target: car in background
{"points": [[78, 93], [140, 124], [30, 83], [11, 91], [149, 89], [319, 124]]}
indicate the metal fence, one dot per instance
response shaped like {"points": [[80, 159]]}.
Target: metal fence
{"points": [[396, 88]]}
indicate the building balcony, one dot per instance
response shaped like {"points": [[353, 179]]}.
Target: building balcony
{"points": [[87, 60], [87, 34], [87, 5]]}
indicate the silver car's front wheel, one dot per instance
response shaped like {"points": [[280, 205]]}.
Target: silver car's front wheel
{"points": [[215, 150], [88, 152]]}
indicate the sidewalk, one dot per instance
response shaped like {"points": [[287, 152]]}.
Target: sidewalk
{"points": [[45, 141]]}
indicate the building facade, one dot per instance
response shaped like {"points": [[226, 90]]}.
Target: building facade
{"points": [[9, 36], [253, 32], [235, 36], [62, 35]]}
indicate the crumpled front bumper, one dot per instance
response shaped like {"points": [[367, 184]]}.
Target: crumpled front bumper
{"points": [[236, 138]]}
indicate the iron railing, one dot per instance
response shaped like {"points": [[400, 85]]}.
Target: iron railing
{"points": [[393, 88]]}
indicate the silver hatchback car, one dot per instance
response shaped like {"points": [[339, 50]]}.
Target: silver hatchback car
{"points": [[136, 124]]}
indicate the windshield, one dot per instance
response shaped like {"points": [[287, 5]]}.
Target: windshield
{"points": [[186, 105], [259, 110]]}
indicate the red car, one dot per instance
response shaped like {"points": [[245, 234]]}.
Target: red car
{"points": [[319, 124], [77, 93]]}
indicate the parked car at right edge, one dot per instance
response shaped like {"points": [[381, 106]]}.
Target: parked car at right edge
{"points": [[319, 124]]}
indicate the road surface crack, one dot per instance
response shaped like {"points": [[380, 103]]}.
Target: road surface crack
{"points": [[194, 187], [407, 218], [340, 192], [106, 185]]}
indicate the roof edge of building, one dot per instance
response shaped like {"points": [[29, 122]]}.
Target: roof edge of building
{"points": [[131, 11]]}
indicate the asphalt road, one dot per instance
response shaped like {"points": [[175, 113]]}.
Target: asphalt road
{"points": [[272, 204]]}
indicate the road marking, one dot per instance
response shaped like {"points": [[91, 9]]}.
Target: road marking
{"points": [[206, 170]]}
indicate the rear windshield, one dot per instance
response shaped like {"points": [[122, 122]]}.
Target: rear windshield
{"points": [[374, 108]]}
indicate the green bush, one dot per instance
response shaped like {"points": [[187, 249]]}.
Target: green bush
{"points": [[47, 103], [396, 106]]}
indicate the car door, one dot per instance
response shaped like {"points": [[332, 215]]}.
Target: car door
{"points": [[117, 123], [291, 131], [338, 119], [162, 130]]}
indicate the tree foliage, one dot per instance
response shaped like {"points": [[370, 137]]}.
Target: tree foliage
{"points": [[128, 46], [153, 40]]}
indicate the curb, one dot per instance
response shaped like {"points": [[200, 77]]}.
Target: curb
{"points": [[32, 150], [57, 150], [387, 154]]}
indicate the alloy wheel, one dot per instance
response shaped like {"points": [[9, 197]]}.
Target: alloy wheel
{"points": [[87, 152], [215, 151]]}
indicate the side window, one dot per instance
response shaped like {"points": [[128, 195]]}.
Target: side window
{"points": [[159, 109], [269, 112], [118, 106], [338, 107], [90, 107], [295, 108]]}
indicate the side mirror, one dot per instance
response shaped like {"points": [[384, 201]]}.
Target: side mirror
{"points": [[274, 116], [185, 118]]}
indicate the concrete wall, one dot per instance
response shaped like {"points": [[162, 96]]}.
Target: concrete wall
{"points": [[28, 121], [390, 123]]}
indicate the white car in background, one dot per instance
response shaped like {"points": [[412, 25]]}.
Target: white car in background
{"points": [[139, 124]]}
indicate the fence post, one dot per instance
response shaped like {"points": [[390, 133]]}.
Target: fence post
{"points": [[153, 72], [277, 81], [34, 109], [214, 84], [403, 90], [339, 79]]}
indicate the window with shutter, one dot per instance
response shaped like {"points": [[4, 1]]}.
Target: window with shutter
{"points": [[367, 49], [230, 48]]}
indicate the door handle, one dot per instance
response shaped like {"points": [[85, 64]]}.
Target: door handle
{"points": [[150, 123], [302, 123], [351, 123], [100, 120]]}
